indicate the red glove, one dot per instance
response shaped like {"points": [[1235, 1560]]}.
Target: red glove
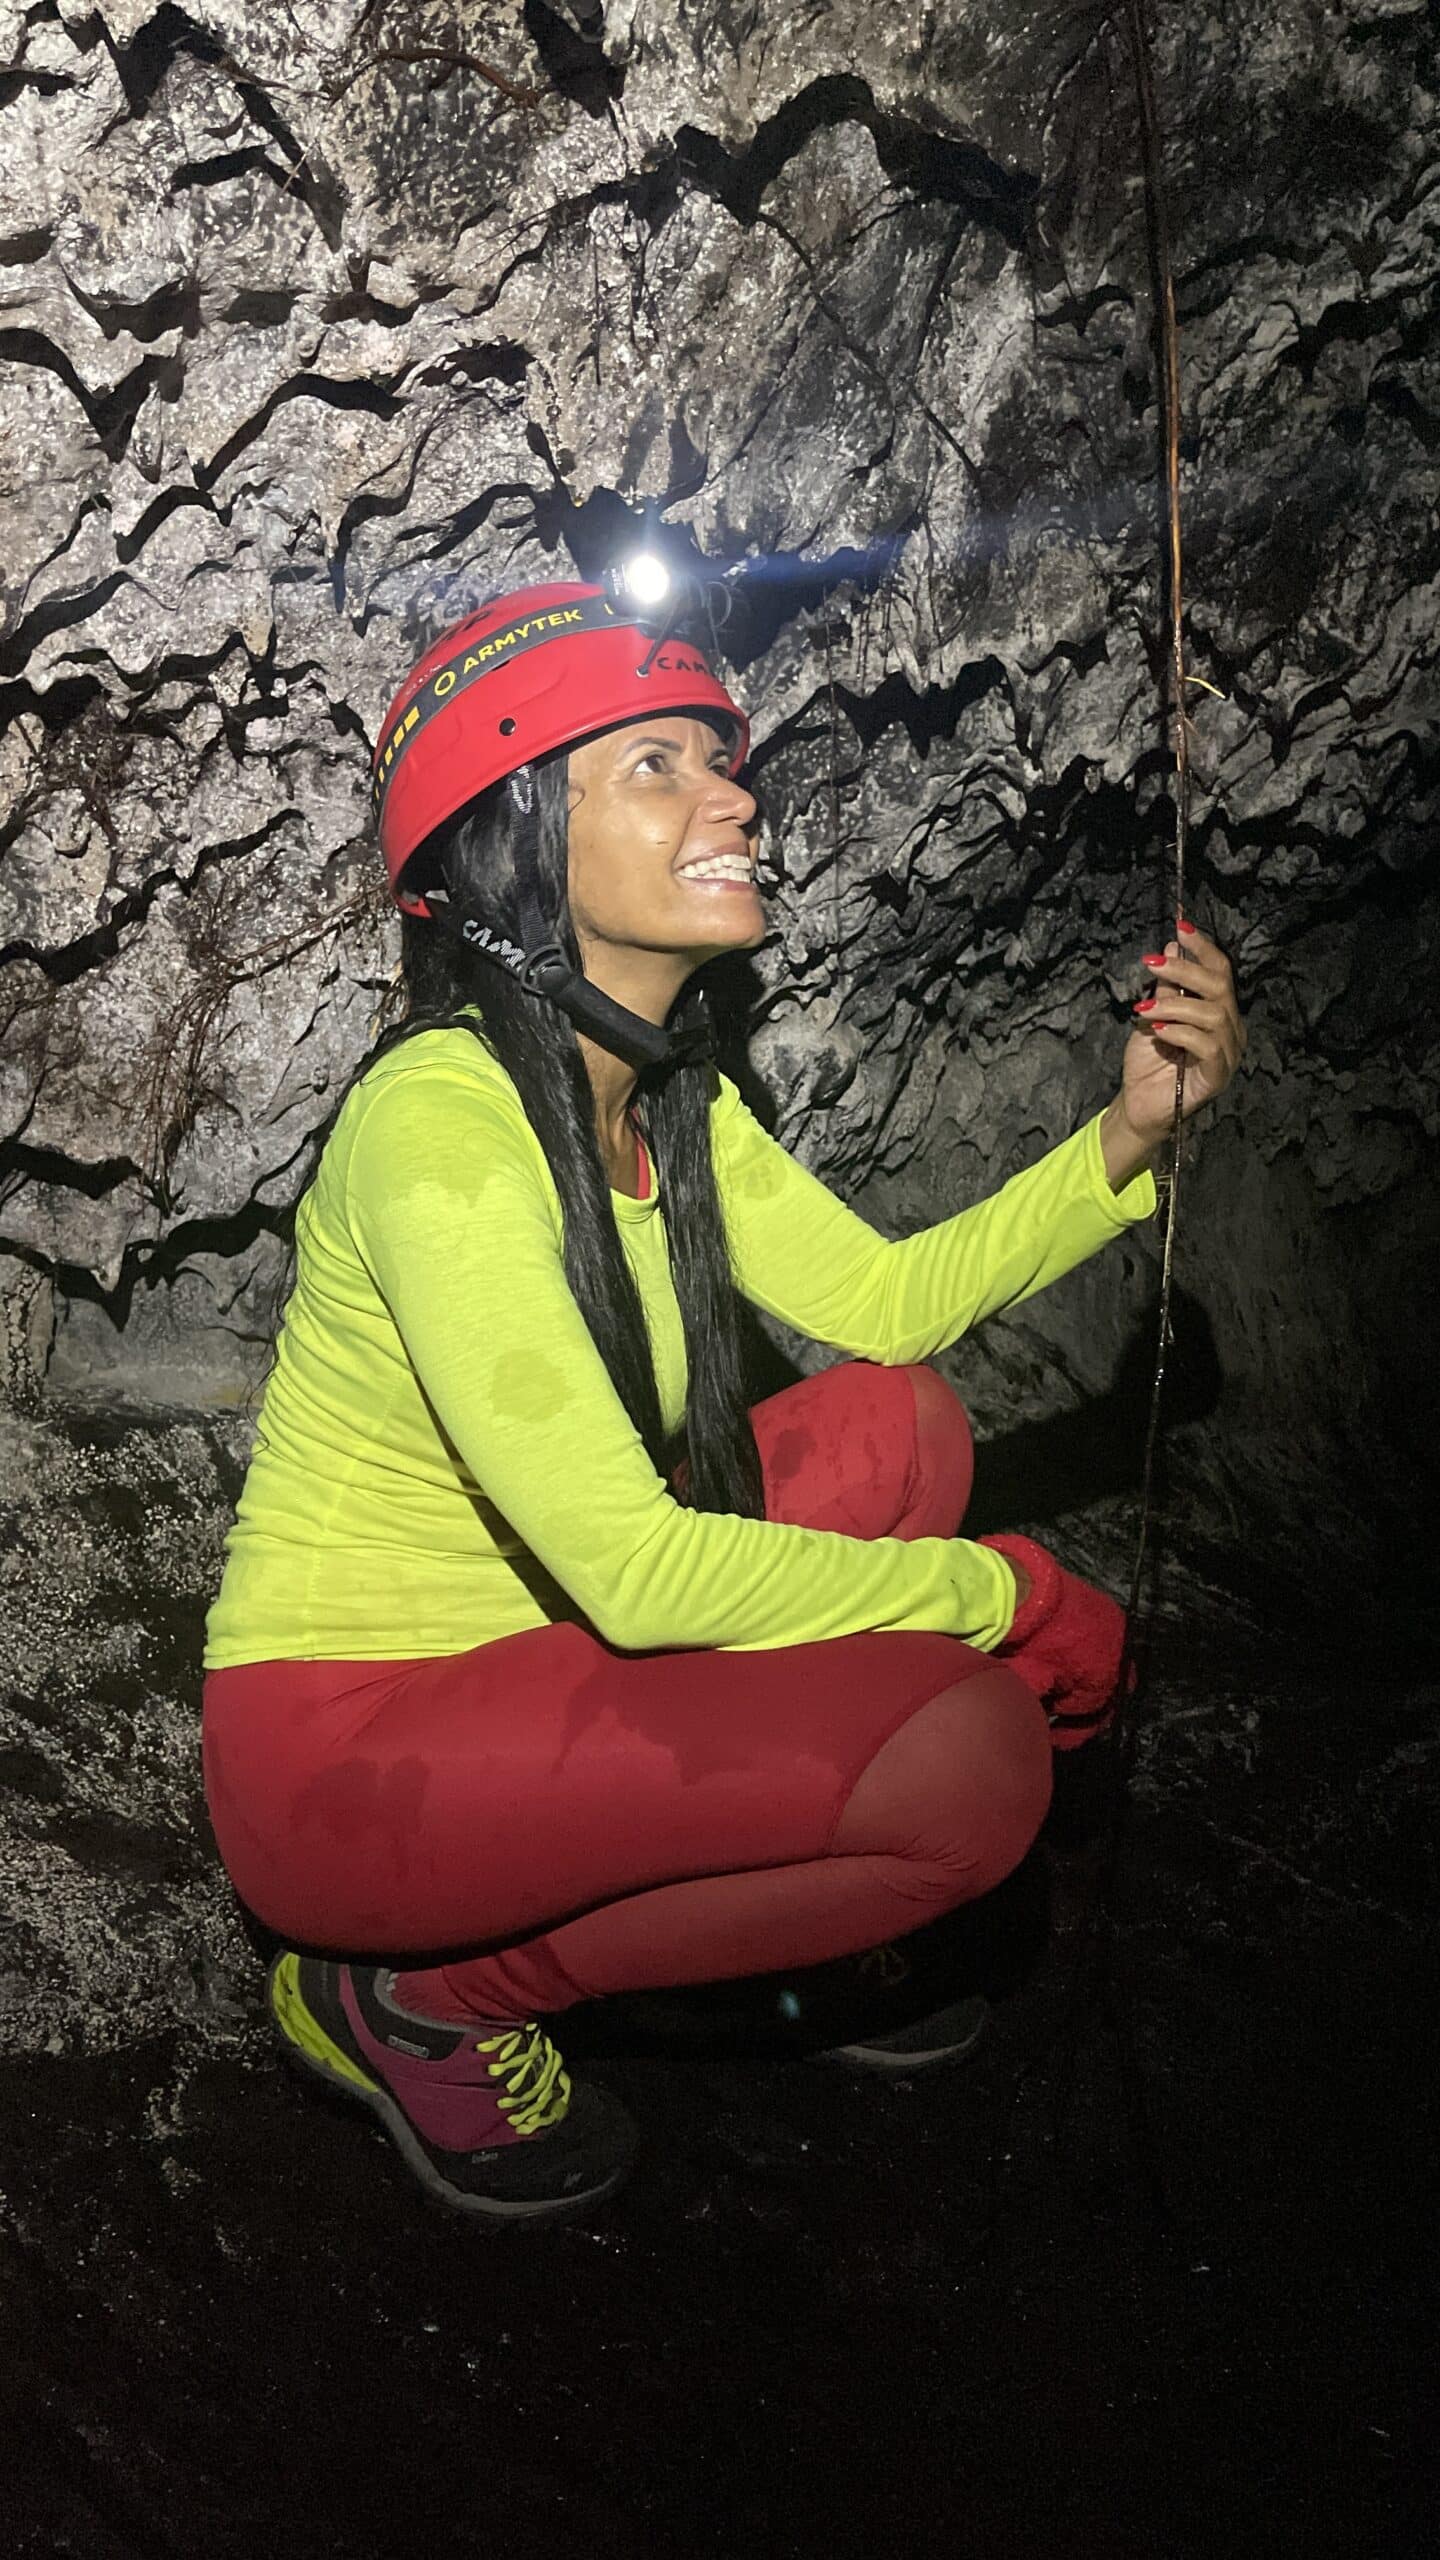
{"points": [[1065, 1643]]}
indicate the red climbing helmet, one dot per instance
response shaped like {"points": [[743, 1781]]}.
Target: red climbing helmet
{"points": [[541, 668]]}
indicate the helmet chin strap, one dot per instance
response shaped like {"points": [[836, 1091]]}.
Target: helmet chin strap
{"points": [[539, 963]]}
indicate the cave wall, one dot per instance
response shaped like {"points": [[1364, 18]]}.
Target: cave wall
{"points": [[322, 322]]}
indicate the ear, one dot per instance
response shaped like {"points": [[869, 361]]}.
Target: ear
{"points": [[576, 766]]}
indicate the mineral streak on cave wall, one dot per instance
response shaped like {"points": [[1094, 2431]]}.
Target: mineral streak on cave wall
{"points": [[320, 325]]}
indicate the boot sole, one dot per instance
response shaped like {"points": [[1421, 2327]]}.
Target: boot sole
{"points": [[306, 2045], [898, 2065]]}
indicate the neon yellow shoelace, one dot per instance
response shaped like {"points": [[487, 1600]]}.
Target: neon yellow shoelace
{"points": [[517, 2055]]}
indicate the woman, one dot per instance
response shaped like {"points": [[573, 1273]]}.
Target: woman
{"points": [[543, 1666]]}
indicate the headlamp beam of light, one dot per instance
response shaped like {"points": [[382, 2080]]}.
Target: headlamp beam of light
{"points": [[645, 588], [645, 578]]}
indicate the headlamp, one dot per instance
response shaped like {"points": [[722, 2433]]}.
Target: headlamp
{"points": [[666, 598], [643, 579]]}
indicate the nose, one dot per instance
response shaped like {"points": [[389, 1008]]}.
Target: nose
{"points": [[729, 798]]}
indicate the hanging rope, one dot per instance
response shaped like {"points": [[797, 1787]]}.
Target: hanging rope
{"points": [[1093, 1990], [1173, 682], [834, 793], [1172, 703]]}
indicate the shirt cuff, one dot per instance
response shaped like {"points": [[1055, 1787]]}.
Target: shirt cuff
{"points": [[1139, 1198]]}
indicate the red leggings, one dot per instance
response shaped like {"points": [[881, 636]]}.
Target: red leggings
{"points": [[563, 1819]]}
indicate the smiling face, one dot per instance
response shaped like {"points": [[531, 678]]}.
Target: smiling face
{"points": [[648, 804]]}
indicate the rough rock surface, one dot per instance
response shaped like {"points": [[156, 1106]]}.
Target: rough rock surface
{"points": [[327, 319]]}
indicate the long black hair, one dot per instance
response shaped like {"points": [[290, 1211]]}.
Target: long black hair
{"points": [[537, 1045]]}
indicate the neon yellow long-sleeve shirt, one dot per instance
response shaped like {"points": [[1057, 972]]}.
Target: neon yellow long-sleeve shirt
{"points": [[441, 1459]]}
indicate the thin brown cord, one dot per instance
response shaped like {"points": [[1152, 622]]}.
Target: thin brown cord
{"points": [[1173, 711], [834, 788], [1092, 1969], [1093, 1933]]}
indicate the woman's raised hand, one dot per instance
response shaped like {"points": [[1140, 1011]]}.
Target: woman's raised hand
{"points": [[1195, 1018]]}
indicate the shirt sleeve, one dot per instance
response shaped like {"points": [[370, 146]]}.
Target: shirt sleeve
{"points": [[457, 1222], [807, 1259]]}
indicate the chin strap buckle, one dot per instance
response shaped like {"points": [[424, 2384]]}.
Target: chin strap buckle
{"points": [[692, 1039], [546, 969]]}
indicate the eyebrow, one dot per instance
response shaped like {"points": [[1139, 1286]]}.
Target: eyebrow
{"points": [[672, 746]]}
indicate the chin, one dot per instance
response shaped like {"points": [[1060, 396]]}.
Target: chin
{"points": [[750, 941]]}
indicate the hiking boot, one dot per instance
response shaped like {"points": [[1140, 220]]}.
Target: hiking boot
{"points": [[880, 1974], [485, 2114], [944, 2036]]}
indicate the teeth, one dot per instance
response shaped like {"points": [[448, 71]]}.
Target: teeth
{"points": [[728, 867]]}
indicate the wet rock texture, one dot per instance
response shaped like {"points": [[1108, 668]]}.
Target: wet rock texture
{"points": [[328, 319], [323, 322]]}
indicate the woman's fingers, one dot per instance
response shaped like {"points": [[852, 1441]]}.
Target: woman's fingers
{"points": [[1185, 972], [1198, 946], [1167, 1018], [1209, 1027], [1202, 1039], [1196, 986], [1195, 1019], [1193, 961], [1197, 1008]]}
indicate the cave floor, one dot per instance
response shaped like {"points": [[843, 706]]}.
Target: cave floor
{"points": [[1150, 2271]]}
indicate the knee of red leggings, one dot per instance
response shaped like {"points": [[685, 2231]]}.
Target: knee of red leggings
{"points": [[944, 1441], [999, 1778]]}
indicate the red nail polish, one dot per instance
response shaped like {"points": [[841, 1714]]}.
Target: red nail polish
{"points": [[1184, 927], [1154, 959], [1143, 1008]]}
